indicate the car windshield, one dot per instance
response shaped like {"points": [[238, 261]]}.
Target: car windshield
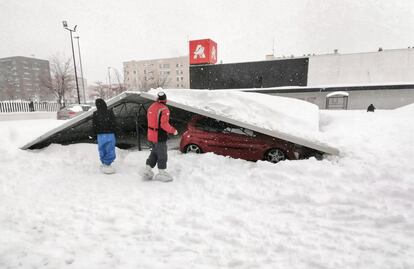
{"points": [[213, 125], [210, 125], [239, 130]]}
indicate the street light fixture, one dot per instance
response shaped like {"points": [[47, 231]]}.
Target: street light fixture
{"points": [[65, 25], [80, 63]]}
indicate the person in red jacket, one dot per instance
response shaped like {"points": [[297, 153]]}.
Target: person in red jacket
{"points": [[158, 116]]}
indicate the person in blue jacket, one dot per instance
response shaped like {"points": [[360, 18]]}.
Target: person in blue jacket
{"points": [[104, 126]]}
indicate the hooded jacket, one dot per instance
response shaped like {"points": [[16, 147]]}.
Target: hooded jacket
{"points": [[103, 119], [158, 116]]}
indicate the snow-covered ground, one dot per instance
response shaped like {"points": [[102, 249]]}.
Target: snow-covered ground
{"points": [[355, 210]]}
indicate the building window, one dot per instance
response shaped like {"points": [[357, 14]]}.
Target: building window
{"points": [[178, 78]]}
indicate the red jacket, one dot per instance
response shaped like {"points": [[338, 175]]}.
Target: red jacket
{"points": [[158, 117]]}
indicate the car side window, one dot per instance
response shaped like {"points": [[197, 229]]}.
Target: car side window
{"points": [[210, 125], [239, 130]]}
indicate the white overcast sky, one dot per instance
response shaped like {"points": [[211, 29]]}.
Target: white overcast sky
{"points": [[112, 32]]}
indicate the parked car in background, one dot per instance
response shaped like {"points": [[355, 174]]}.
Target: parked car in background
{"points": [[205, 134], [71, 111]]}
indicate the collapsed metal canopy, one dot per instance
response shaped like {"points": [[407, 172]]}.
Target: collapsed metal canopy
{"points": [[79, 129], [71, 131]]}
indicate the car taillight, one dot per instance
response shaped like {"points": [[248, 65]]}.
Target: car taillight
{"points": [[72, 113]]}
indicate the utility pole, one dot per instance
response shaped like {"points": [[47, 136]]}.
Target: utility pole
{"points": [[109, 80], [83, 78], [65, 25]]}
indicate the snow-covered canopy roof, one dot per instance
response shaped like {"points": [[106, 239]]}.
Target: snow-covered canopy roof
{"points": [[290, 119], [285, 118]]}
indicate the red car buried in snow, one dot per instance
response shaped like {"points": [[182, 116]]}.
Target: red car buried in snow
{"points": [[210, 135]]}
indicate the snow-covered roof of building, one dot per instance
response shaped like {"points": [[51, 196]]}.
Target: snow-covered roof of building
{"points": [[334, 87], [339, 93]]}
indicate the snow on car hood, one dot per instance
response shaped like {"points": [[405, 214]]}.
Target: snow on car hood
{"points": [[76, 108]]}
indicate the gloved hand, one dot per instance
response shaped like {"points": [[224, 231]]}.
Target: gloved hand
{"points": [[176, 132]]}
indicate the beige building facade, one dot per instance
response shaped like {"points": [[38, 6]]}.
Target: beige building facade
{"points": [[168, 73]]}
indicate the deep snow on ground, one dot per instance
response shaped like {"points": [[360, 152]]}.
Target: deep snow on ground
{"points": [[355, 210]]}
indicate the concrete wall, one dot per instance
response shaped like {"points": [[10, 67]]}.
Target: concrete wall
{"points": [[387, 66]]}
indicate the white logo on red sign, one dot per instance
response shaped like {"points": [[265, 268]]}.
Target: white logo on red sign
{"points": [[213, 54], [199, 52]]}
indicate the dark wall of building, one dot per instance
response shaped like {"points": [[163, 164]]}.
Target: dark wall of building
{"points": [[287, 72]]}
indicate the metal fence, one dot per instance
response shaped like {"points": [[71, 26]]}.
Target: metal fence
{"points": [[27, 106]]}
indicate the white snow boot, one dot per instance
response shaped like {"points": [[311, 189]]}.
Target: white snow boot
{"points": [[163, 176], [147, 174], [107, 169]]}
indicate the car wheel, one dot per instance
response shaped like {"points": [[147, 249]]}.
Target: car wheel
{"points": [[192, 148], [275, 155]]}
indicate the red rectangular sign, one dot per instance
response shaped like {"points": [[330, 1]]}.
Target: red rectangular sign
{"points": [[203, 51]]}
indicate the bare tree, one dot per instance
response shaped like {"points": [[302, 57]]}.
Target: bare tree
{"points": [[61, 82], [159, 80], [152, 79], [120, 87], [101, 90]]}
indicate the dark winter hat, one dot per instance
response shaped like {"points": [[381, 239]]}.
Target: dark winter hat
{"points": [[162, 97], [100, 104]]}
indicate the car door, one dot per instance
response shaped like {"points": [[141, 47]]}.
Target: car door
{"points": [[210, 136], [239, 142]]}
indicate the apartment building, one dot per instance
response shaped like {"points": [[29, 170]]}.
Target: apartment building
{"points": [[21, 78], [168, 73]]}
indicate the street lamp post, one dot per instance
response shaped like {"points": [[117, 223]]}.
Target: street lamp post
{"points": [[109, 80], [80, 63], [65, 25]]}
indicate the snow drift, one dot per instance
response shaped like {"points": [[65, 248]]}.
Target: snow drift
{"points": [[350, 211]]}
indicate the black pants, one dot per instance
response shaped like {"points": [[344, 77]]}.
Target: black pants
{"points": [[158, 155]]}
